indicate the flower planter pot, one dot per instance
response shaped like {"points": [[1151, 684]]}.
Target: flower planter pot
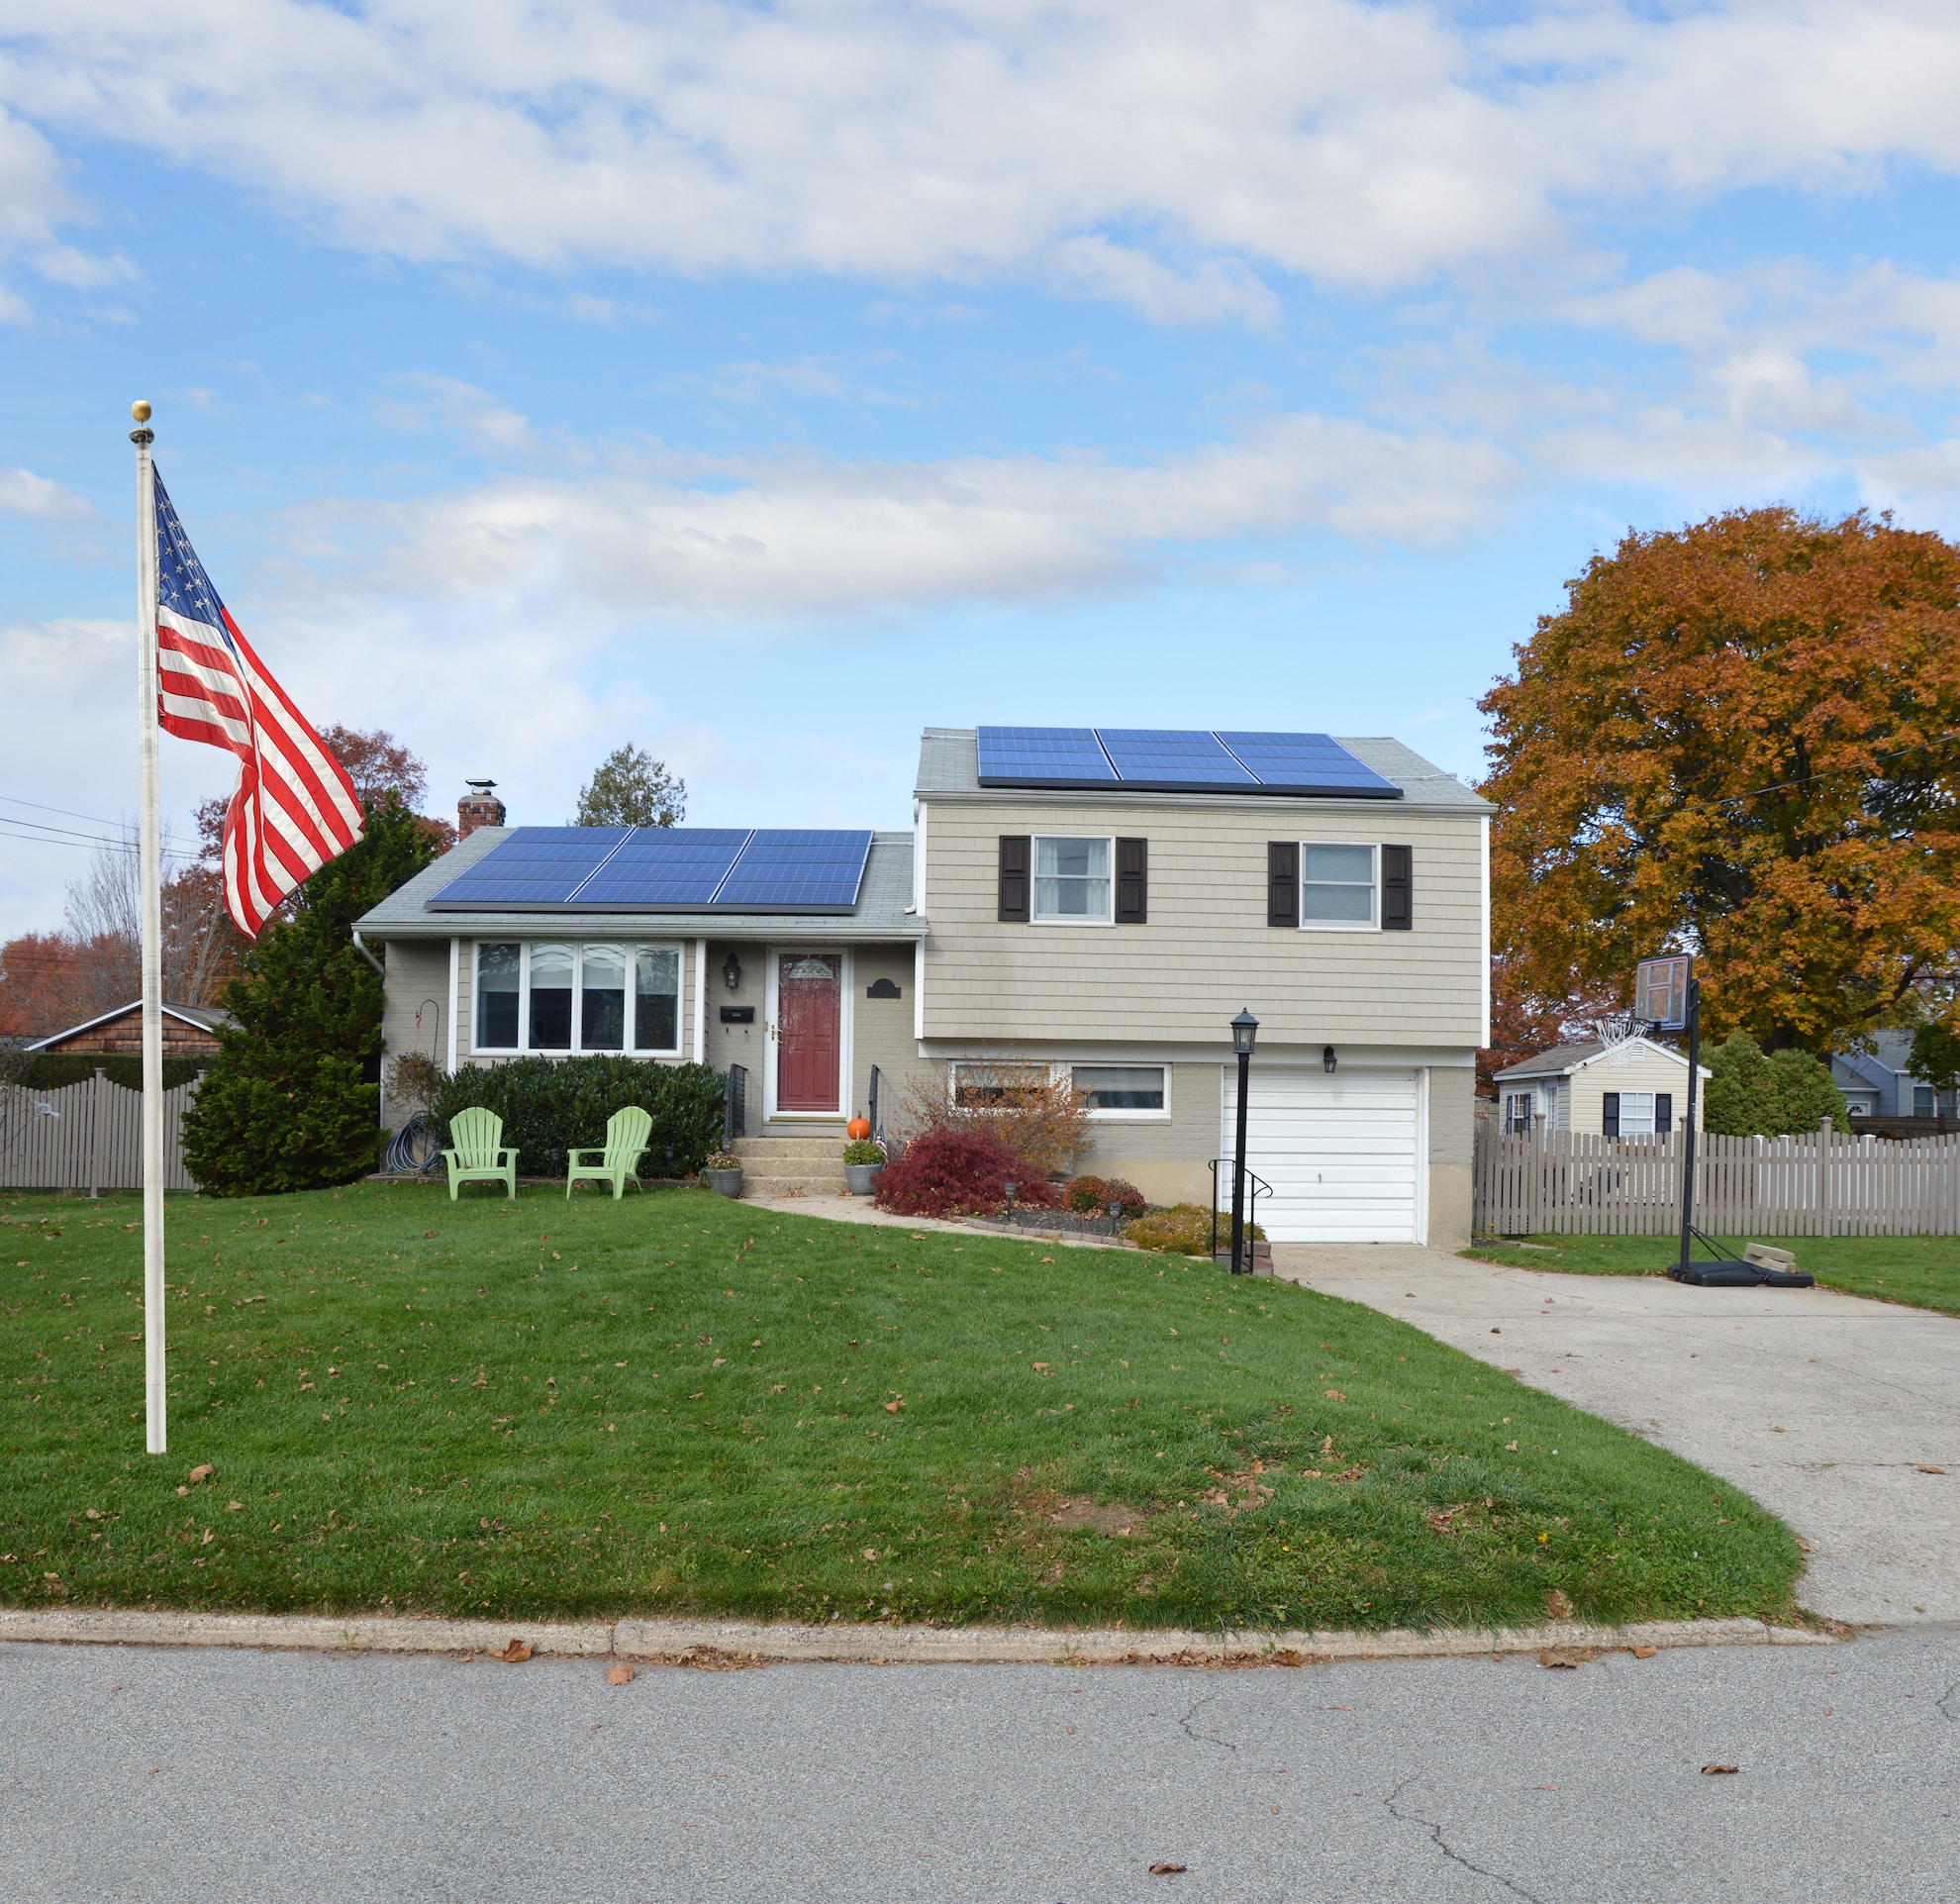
{"points": [[862, 1178], [725, 1184]]}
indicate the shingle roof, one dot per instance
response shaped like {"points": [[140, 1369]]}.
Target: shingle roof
{"points": [[880, 912], [1568, 1057], [949, 764]]}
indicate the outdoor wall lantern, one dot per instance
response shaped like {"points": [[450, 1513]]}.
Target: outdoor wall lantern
{"points": [[1244, 1034], [732, 973], [1327, 1059]]}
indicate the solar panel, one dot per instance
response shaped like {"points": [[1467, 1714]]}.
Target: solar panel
{"points": [[1308, 763], [662, 869], [666, 867], [1174, 760], [797, 870], [533, 866], [1157, 759], [1042, 756]]}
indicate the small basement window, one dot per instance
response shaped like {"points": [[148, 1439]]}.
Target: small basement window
{"points": [[1119, 1090]]}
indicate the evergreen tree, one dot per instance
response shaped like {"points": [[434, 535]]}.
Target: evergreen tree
{"points": [[284, 1106], [1807, 1093], [632, 789], [1743, 1096]]}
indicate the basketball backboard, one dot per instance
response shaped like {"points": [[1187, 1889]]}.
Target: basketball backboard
{"points": [[1660, 991]]}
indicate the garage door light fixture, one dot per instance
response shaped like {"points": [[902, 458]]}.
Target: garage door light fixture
{"points": [[1328, 1060]]}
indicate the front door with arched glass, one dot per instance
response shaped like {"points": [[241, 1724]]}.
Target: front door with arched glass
{"points": [[809, 1040]]}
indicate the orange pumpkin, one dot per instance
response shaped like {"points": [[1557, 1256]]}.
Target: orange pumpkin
{"points": [[858, 1127]]}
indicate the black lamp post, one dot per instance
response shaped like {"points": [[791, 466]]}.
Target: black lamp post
{"points": [[1244, 1030]]}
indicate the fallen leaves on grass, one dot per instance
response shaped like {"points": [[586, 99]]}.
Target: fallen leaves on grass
{"points": [[203, 1471]]}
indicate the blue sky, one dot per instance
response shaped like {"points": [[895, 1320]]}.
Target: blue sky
{"points": [[761, 383]]}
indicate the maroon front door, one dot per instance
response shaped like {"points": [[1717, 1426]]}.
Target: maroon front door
{"points": [[809, 1030]]}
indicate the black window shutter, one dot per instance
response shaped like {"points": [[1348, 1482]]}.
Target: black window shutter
{"points": [[1609, 1117], [1282, 882], [1132, 884], [1663, 1113], [1016, 852], [1397, 913]]}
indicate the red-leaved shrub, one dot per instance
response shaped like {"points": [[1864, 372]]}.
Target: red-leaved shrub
{"points": [[960, 1173], [1090, 1196]]}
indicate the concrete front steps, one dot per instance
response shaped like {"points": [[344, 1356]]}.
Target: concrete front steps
{"points": [[808, 1164]]}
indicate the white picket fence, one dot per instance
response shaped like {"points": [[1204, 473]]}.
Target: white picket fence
{"points": [[86, 1137], [1824, 1184]]}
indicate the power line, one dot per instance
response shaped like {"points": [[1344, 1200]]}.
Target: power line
{"points": [[15, 800]]}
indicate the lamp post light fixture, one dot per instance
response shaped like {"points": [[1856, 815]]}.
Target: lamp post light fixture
{"points": [[731, 973], [1244, 1034]]}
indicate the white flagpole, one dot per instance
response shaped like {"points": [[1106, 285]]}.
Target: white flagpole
{"points": [[155, 1393]]}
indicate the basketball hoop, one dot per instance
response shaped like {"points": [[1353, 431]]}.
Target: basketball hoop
{"points": [[1616, 1030]]}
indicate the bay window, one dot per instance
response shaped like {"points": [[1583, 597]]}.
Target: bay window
{"points": [[551, 995]]}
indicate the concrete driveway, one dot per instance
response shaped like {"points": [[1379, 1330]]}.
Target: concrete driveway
{"points": [[1830, 1409]]}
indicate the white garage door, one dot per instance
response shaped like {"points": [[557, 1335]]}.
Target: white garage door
{"points": [[1340, 1152]]}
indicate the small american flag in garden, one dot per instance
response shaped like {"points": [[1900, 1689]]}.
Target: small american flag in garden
{"points": [[294, 806]]}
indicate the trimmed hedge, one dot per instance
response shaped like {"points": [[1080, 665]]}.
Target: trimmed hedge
{"points": [[1184, 1230], [53, 1070], [551, 1104]]}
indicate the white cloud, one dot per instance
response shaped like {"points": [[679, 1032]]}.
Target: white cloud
{"points": [[666, 536], [1361, 144], [40, 498]]}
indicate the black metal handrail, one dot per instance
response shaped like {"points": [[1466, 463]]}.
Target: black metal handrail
{"points": [[1256, 1186]]}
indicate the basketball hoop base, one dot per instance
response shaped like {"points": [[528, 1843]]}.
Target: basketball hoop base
{"points": [[1739, 1275]]}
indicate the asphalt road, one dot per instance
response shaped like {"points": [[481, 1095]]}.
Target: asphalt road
{"points": [[157, 1775]]}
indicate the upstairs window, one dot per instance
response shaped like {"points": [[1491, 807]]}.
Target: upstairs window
{"points": [[1071, 881], [1338, 887]]}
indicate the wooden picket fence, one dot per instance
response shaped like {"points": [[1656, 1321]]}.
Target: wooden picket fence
{"points": [[86, 1137], [1824, 1184]]}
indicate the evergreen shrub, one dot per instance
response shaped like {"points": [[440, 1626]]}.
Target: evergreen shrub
{"points": [[1184, 1230], [1091, 1196], [1751, 1094], [551, 1105]]}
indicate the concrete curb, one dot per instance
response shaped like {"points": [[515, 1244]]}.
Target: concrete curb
{"points": [[742, 1642]]}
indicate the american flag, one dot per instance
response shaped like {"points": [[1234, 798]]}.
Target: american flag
{"points": [[294, 806]]}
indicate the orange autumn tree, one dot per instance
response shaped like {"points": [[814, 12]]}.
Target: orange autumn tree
{"points": [[1739, 739]]}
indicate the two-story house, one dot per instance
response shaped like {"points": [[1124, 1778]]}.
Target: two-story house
{"points": [[1095, 901]]}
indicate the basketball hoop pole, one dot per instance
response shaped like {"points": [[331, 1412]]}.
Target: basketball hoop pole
{"points": [[1687, 1139]]}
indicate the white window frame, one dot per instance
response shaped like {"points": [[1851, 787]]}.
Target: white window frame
{"points": [[1123, 1063], [1035, 918], [1059, 1068], [1374, 920], [524, 1048]]}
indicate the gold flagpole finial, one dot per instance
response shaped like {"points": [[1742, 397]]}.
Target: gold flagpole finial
{"points": [[141, 411]]}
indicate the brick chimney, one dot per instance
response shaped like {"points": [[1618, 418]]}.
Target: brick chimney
{"points": [[479, 807]]}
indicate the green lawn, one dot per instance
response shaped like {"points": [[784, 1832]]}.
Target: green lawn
{"points": [[681, 1404], [1922, 1270]]}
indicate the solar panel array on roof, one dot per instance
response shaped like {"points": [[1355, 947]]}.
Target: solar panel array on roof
{"points": [[662, 869], [536, 866], [781, 871], [1177, 761]]}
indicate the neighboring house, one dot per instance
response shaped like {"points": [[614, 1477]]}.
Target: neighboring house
{"points": [[189, 1030], [1881, 1084], [1637, 1088], [1099, 903]]}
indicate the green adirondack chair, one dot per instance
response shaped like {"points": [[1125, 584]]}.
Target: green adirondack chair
{"points": [[627, 1132], [479, 1155]]}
